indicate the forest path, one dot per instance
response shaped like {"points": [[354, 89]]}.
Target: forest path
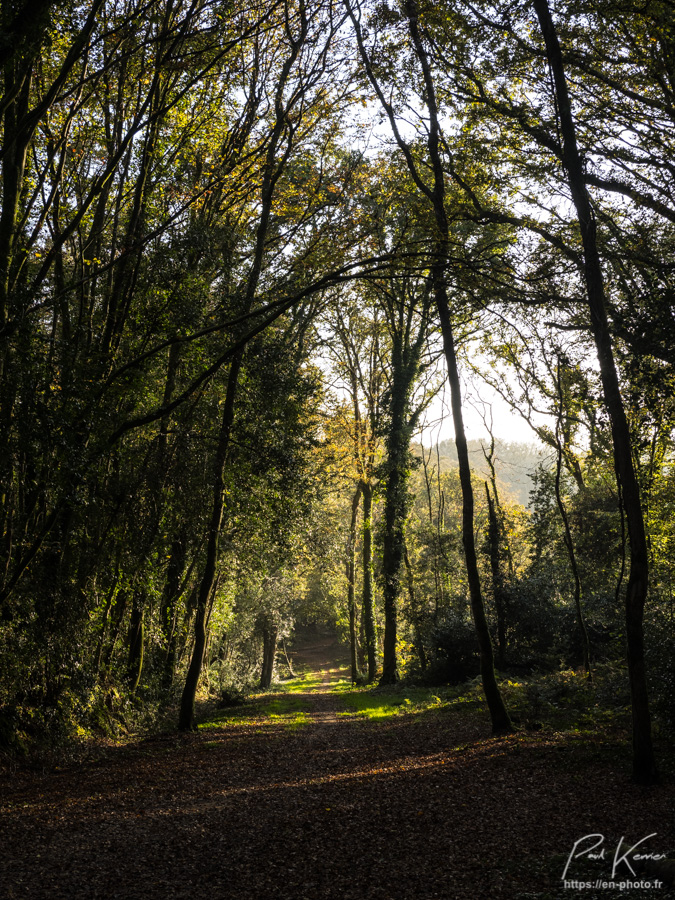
{"points": [[322, 664], [321, 658], [318, 791]]}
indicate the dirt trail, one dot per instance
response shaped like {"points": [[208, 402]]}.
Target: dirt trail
{"points": [[324, 661], [416, 807], [323, 655]]}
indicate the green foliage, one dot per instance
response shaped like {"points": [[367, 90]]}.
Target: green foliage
{"points": [[380, 704]]}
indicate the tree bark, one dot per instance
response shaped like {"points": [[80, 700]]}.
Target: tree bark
{"points": [[136, 642], [289, 661], [351, 597], [187, 705], [501, 722], [395, 509], [170, 597], [571, 554], [270, 635], [494, 542], [368, 608], [117, 613], [644, 763], [437, 528], [498, 713], [414, 612]]}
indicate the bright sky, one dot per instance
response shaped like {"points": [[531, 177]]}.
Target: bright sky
{"points": [[477, 400]]}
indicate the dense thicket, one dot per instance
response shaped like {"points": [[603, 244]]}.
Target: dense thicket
{"points": [[241, 248]]}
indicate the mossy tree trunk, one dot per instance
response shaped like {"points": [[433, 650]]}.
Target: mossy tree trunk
{"points": [[414, 611], [369, 626], [207, 581], [170, 596], [395, 501], [351, 587], [497, 572]]}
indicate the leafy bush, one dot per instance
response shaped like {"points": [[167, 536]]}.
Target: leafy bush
{"points": [[455, 656]]}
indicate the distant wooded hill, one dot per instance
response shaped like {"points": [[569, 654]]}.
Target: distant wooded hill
{"points": [[515, 463]]}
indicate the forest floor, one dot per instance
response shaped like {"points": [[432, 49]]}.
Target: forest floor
{"points": [[319, 790]]}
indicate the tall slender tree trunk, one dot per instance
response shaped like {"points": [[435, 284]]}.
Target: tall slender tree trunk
{"points": [[187, 704], [271, 175], [437, 528], [289, 661], [572, 556], [644, 763], [414, 611], [351, 593], [395, 509], [368, 603], [136, 642], [436, 197], [498, 592], [170, 596], [13, 168], [117, 614], [17, 79], [363, 665], [501, 722], [104, 623]]}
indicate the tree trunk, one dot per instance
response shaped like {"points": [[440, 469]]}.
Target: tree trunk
{"points": [[16, 137], [644, 764], [569, 545], [414, 612], [270, 634], [170, 597], [436, 196], [395, 510], [437, 528], [368, 610], [136, 643], [494, 541], [351, 597], [501, 722], [272, 172], [117, 613], [289, 661], [187, 705], [363, 665]]}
